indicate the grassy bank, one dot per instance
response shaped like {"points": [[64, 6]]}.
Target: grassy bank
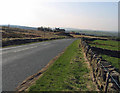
{"points": [[68, 73]]}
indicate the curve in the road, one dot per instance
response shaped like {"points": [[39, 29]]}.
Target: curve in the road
{"points": [[18, 63]]}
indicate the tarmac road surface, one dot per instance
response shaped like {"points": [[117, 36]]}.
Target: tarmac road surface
{"points": [[20, 62]]}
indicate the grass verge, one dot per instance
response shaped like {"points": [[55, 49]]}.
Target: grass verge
{"points": [[68, 73]]}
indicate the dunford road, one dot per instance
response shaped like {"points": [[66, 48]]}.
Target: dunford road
{"points": [[20, 62]]}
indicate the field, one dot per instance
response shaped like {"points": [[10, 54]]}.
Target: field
{"points": [[68, 73], [87, 36], [109, 50], [17, 36], [106, 44], [17, 33]]}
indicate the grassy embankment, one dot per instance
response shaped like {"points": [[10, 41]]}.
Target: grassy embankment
{"points": [[109, 45], [68, 73]]}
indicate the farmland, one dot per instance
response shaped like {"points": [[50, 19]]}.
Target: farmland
{"points": [[106, 44], [108, 49]]}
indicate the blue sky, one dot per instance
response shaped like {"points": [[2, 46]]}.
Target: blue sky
{"points": [[83, 15], [91, 15]]}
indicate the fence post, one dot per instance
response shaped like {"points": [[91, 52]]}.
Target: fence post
{"points": [[107, 82]]}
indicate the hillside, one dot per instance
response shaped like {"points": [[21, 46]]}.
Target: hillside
{"points": [[21, 27], [93, 32], [16, 36], [81, 31]]}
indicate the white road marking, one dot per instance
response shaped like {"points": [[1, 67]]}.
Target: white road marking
{"points": [[46, 44], [17, 46], [19, 50], [22, 49], [41, 43], [23, 46], [25, 49]]}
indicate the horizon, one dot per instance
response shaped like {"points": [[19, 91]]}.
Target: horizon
{"points": [[77, 29], [102, 16]]}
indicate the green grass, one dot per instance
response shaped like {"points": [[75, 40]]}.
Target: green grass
{"points": [[107, 45], [107, 42], [116, 48], [113, 60], [67, 73]]}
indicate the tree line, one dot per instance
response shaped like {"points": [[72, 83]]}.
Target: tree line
{"points": [[50, 29]]}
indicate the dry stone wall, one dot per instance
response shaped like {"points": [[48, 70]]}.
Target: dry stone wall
{"points": [[106, 77]]}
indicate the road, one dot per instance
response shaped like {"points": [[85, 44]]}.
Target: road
{"points": [[20, 62]]}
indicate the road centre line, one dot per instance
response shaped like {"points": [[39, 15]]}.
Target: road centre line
{"points": [[43, 43], [25, 49]]}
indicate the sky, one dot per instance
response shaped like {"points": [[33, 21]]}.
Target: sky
{"points": [[93, 15]]}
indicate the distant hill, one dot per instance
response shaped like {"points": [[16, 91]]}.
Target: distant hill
{"points": [[92, 32], [21, 27], [83, 31]]}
